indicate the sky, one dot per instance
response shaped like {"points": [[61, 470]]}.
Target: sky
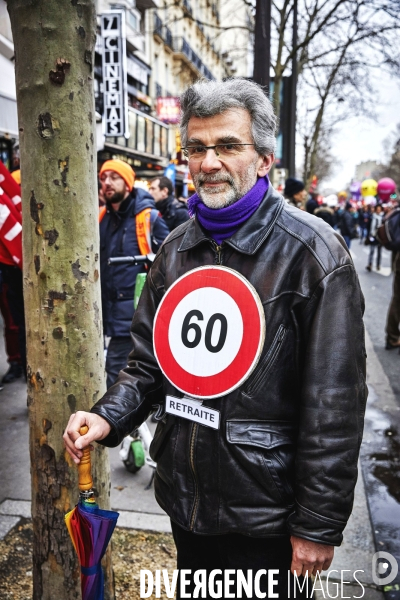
{"points": [[359, 139]]}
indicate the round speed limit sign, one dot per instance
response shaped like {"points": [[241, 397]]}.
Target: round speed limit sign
{"points": [[209, 331]]}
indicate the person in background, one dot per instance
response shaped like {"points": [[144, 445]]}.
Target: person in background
{"points": [[295, 192], [347, 224], [11, 336], [376, 222], [120, 227], [393, 316], [312, 202], [11, 288], [365, 216], [325, 213], [173, 211]]}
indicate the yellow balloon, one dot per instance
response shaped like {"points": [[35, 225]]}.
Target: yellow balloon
{"points": [[369, 187]]}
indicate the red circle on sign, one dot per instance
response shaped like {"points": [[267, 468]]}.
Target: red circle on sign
{"points": [[249, 304]]}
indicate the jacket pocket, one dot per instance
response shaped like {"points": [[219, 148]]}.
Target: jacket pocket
{"points": [[264, 367], [125, 293], [161, 436], [265, 449]]}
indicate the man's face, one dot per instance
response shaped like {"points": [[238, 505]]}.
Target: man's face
{"points": [[222, 180], [114, 187], [157, 193], [300, 196]]}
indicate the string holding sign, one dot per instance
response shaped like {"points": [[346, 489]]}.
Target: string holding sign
{"points": [[209, 331]]}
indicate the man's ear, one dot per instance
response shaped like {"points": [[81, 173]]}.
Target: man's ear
{"points": [[265, 165]]}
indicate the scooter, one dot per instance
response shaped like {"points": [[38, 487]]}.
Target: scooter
{"points": [[135, 448]]}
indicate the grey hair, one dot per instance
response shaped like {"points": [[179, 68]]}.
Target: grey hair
{"points": [[210, 98]]}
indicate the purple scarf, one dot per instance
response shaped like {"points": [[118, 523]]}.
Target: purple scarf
{"points": [[222, 223]]}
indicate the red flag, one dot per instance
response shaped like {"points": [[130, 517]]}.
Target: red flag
{"points": [[10, 229], [10, 186]]}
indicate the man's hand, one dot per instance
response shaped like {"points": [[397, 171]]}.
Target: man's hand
{"points": [[310, 556], [74, 441]]}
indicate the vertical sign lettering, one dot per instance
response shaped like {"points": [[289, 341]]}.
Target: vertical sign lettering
{"points": [[114, 74]]}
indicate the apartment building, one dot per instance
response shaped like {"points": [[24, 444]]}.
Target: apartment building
{"points": [[164, 46], [170, 45]]}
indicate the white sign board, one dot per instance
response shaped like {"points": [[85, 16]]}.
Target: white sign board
{"points": [[115, 117]]}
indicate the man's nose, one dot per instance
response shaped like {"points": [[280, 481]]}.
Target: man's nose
{"points": [[211, 161]]}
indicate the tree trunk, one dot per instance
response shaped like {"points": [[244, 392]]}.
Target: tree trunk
{"points": [[54, 46]]}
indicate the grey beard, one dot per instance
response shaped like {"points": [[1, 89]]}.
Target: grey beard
{"points": [[218, 198]]}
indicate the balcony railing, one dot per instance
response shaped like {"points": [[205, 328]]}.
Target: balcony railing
{"points": [[181, 46], [158, 25], [168, 38]]}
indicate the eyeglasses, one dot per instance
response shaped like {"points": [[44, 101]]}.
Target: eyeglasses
{"points": [[223, 151], [112, 176]]}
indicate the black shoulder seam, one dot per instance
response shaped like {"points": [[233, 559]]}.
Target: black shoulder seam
{"points": [[304, 242], [312, 229], [337, 268]]}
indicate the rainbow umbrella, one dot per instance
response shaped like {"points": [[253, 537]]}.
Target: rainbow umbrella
{"points": [[90, 529]]}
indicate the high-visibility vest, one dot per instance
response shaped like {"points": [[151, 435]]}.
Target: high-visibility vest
{"points": [[143, 228]]}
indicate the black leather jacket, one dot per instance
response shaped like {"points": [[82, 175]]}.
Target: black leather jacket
{"points": [[285, 457]]}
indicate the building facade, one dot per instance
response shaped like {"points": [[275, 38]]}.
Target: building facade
{"points": [[164, 46], [367, 169]]}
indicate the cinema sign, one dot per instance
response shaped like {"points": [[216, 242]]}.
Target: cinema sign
{"points": [[114, 74]]}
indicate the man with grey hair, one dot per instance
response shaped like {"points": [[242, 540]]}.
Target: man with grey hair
{"points": [[272, 488]]}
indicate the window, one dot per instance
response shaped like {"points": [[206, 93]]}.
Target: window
{"points": [[164, 140], [132, 129], [141, 134], [149, 136], [157, 139], [133, 20]]}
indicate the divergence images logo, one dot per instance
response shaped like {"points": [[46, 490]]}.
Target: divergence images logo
{"points": [[381, 573]]}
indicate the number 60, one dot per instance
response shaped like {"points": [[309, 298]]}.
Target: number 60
{"points": [[187, 326]]}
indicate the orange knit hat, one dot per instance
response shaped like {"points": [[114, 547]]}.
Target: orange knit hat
{"points": [[122, 168]]}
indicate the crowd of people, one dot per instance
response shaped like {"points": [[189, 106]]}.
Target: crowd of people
{"points": [[354, 219]]}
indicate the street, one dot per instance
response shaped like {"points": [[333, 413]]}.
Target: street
{"points": [[378, 499]]}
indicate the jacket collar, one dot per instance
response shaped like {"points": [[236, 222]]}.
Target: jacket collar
{"points": [[251, 234]]}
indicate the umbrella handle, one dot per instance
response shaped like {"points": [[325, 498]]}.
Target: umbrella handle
{"points": [[85, 481]]}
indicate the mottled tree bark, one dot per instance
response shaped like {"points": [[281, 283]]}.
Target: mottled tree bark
{"points": [[54, 45]]}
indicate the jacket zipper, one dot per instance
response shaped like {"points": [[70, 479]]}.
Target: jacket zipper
{"points": [[218, 250], [276, 345], [196, 487]]}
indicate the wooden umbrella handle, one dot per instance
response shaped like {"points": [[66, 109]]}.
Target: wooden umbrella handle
{"points": [[85, 480]]}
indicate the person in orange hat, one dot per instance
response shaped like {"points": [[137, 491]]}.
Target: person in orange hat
{"points": [[127, 208]]}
